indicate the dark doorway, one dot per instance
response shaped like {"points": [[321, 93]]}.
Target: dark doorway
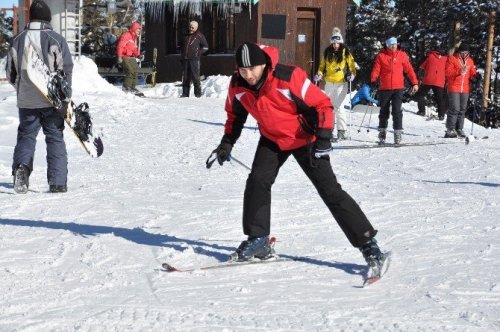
{"points": [[305, 42]]}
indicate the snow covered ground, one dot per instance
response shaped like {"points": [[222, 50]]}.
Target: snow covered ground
{"points": [[89, 260]]}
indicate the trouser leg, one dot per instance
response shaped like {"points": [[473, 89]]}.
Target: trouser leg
{"points": [[195, 76], [257, 198], [464, 99], [344, 209], [57, 158], [453, 110], [130, 70], [186, 78], [397, 112], [29, 126], [439, 97], [385, 103]]}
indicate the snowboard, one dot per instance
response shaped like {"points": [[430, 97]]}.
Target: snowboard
{"points": [[51, 85]]}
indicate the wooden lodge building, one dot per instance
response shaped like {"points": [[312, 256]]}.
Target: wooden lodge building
{"points": [[300, 29]]}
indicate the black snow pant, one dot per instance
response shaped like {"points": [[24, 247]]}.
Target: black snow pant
{"points": [[388, 97], [191, 73], [257, 199], [439, 98]]}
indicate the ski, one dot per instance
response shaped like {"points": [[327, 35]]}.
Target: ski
{"points": [[273, 259], [231, 262], [376, 273]]}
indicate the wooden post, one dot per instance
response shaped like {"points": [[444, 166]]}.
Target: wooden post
{"points": [[489, 57]]}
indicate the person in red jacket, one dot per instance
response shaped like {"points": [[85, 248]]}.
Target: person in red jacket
{"points": [[295, 119], [460, 69], [390, 66], [433, 79], [128, 54]]}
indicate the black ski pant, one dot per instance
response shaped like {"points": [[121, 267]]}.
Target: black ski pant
{"points": [[439, 98], [257, 199], [388, 98], [191, 73]]}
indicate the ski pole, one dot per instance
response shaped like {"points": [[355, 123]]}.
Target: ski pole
{"points": [[363, 120], [369, 120], [350, 113], [239, 162]]}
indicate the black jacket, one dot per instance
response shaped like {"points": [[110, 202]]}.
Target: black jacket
{"points": [[193, 46]]}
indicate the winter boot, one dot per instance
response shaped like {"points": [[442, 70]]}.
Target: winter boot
{"points": [[381, 135], [341, 135], [55, 188], [21, 179], [450, 133], [136, 92], [460, 133], [371, 252], [397, 136], [253, 247]]}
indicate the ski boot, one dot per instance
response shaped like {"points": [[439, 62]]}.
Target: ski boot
{"points": [[378, 262], [341, 135], [21, 179], [253, 247], [136, 92], [381, 136], [450, 133], [460, 133], [397, 136]]}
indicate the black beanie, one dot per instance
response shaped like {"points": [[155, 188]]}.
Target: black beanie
{"points": [[249, 55], [39, 11]]}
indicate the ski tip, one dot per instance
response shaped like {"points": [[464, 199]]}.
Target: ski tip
{"points": [[99, 146], [169, 268], [370, 281]]}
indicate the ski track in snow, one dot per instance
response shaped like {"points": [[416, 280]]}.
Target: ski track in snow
{"points": [[89, 260]]}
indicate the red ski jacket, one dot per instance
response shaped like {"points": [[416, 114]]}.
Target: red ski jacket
{"points": [[127, 45], [458, 82], [285, 107], [434, 67], [389, 67]]}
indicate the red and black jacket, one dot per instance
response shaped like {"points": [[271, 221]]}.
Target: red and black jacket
{"points": [[288, 107]]}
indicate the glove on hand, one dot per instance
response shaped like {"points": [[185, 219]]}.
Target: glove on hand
{"points": [[63, 110], [322, 145], [140, 58], [350, 77], [221, 153], [317, 78]]}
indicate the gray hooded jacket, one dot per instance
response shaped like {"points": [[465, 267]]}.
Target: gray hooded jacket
{"points": [[54, 51]]}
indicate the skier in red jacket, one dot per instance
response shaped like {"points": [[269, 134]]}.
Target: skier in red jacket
{"points": [[390, 65], [460, 69], [295, 119], [128, 54], [433, 79]]}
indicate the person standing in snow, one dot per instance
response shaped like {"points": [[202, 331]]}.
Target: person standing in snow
{"points": [[391, 64], [337, 66], [295, 119], [434, 79], [193, 46], [127, 51], [35, 111], [460, 69]]}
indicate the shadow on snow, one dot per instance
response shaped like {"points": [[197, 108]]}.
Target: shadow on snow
{"points": [[140, 236]]}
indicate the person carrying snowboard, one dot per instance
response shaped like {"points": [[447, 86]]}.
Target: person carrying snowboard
{"points": [[295, 119], [35, 111]]}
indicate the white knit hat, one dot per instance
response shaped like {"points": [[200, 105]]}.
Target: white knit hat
{"points": [[336, 36]]}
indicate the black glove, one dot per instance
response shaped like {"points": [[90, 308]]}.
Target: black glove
{"points": [[221, 153], [477, 78], [374, 86], [322, 146]]}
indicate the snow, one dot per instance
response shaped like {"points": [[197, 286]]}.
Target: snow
{"points": [[89, 260]]}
